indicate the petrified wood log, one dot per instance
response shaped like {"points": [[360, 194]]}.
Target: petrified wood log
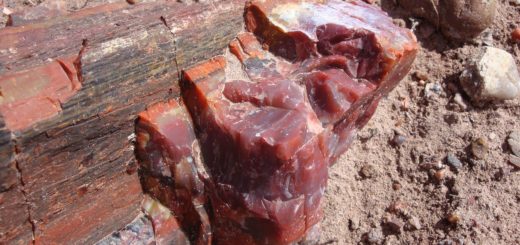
{"points": [[275, 112], [71, 88]]}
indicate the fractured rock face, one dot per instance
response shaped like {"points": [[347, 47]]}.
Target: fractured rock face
{"points": [[348, 55], [274, 113], [492, 75], [170, 168]]}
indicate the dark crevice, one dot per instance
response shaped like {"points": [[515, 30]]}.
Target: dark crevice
{"points": [[163, 20], [77, 62], [24, 192]]}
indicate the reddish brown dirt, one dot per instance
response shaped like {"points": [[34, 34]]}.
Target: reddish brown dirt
{"points": [[376, 187]]}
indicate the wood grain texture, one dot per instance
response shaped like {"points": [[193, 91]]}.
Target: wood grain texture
{"points": [[77, 165]]}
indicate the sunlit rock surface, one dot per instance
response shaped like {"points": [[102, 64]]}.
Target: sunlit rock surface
{"points": [[170, 167], [275, 112]]}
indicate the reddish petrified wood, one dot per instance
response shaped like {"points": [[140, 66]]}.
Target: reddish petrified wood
{"points": [[262, 147], [36, 94], [351, 55], [270, 123], [69, 160], [168, 152]]}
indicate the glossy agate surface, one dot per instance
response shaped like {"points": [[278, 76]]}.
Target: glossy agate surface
{"points": [[268, 119]]}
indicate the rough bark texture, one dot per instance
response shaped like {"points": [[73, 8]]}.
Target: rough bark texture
{"points": [[71, 89]]}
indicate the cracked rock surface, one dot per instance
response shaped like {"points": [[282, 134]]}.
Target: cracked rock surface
{"points": [[274, 112]]}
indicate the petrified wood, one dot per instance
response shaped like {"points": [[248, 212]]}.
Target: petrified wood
{"points": [[270, 116], [171, 168], [274, 112], [71, 89]]}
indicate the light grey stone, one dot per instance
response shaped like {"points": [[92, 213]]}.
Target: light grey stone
{"points": [[492, 75]]}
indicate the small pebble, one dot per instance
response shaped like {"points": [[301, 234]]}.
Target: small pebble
{"points": [[451, 119], [460, 101], [454, 218], [368, 171], [479, 148], [396, 186], [394, 225], [453, 161], [131, 1], [353, 223], [398, 207], [374, 236], [414, 223], [432, 88], [422, 75], [515, 161], [487, 37], [514, 142], [455, 188], [515, 35], [440, 175], [492, 136], [398, 140]]}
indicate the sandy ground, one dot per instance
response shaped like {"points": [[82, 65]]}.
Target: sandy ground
{"points": [[389, 194], [381, 193]]}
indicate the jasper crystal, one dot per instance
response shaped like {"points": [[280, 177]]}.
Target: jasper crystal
{"points": [[276, 111]]}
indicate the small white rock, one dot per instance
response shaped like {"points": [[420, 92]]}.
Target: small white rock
{"points": [[493, 75], [7, 11], [432, 88], [460, 101], [492, 136]]}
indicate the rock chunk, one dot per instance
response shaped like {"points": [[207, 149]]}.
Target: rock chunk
{"points": [[479, 148], [271, 116], [453, 161], [170, 166], [414, 223], [457, 19], [492, 75], [514, 142], [515, 34]]}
